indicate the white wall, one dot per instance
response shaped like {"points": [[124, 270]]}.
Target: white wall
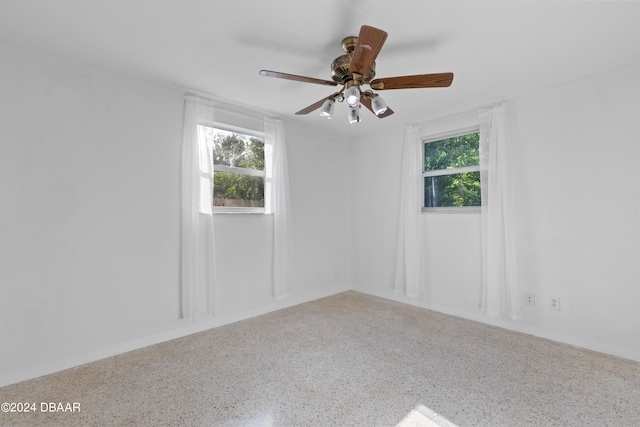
{"points": [[578, 206], [320, 195], [576, 153], [89, 184], [320, 234]]}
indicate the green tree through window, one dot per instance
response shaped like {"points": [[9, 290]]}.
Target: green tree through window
{"points": [[452, 172], [238, 169]]}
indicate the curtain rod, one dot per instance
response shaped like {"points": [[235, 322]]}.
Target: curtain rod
{"points": [[463, 113], [444, 117], [199, 99], [231, 108]]}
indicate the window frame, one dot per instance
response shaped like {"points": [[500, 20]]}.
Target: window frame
{"points": [[244, 171], [441, 172]]}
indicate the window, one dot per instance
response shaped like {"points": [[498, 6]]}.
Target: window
{"points": [[451, 172], [238, 169]]}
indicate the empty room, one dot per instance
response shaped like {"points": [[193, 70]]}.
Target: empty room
{"points": [[343, 213]]}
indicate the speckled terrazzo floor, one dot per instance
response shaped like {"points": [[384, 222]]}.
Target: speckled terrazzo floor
{"points": [[346, 360]]}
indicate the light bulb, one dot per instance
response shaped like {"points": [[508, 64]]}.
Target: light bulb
{"points": [[352, 96], [378, 105], [327, 108]]}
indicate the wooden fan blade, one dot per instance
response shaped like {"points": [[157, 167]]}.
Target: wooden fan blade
{"points": [[370, 41], [286, 76], [316, 105], [366, 101], [413, 82]]}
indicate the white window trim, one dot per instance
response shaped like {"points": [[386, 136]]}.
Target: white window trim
{"points": [[451, 171], [238, 210], [457, 131], [440, 172], [453, 210], [233, 169], [231, 128]]}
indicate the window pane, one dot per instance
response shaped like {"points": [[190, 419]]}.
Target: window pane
{"points": [[237, 190], [242, 151], [237, 150], [454, 152], [460, 189]]}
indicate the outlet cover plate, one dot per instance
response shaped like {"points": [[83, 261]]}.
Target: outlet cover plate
{"points": [[530, 299]]}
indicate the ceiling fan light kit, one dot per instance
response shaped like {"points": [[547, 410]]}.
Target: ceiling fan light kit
{"points": [[357, 68], [352, 96], [328, 108], [378, 105], [354, 114]]}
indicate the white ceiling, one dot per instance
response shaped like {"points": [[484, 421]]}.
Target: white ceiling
{"points": [[496, 49]]}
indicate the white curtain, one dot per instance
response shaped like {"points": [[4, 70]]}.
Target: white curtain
{"points": [[408, 261], [277, 196], [196, 249], [500, 292]]}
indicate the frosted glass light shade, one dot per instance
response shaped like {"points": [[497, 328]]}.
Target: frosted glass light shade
{"points": [[352, 96], [354, 114], [378, 105], [328, 108]]}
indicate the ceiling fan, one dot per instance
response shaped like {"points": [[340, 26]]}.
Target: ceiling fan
{"points": [[357, 68]]}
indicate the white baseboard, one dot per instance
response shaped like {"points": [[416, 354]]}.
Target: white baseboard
{"points": [[204, 324], [625, 353], [72, 361]]}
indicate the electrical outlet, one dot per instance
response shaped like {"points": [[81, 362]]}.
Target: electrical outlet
{"points": [[530, 299], [554, 303]]}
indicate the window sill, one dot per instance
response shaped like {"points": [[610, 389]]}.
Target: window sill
{"points": [[239, 209], [241, 213], [453, 210]]}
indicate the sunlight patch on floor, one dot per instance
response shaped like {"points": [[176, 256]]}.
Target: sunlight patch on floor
{"points": [[421, 416]]}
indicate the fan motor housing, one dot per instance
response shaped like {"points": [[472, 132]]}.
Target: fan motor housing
{"points": [[340, 69], [340, 65]]}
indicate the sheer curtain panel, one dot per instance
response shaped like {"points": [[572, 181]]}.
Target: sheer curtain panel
{"points": [[278, 204], [196, 249], [408, 260], [500, 291]]}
